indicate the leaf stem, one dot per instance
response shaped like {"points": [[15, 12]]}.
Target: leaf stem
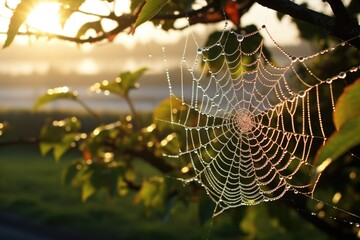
{"points": [[133, 111], [89, 110]]}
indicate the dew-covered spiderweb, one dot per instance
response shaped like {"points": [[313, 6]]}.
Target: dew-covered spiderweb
{"points": [[249, 127]]}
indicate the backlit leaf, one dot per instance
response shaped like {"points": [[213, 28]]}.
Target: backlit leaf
{"points": [[123, 83], [341, 142], [348, 105], [347, 121], [148, 11], [18, 18], [87, 190], [59, 136], [55, 94]]}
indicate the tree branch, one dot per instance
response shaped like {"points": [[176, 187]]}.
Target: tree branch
{"points": [[344, 29]]}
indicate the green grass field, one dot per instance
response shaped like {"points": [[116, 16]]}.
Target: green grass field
{"points": [[30, 187]]}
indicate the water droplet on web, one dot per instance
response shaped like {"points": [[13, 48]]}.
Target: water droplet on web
{"points": [[240, 38], [329, 80], [357, 225], [302, 94], [342, 75], [296, 191], [218, 44], [199, 50], [313, 214], [354, 69], [294, 59], [301, 59]]}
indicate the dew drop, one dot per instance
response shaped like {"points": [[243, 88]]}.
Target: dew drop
{"points": [[357, 225], [301, 59], [302, 94], [313, 214], [342, 75], [199, 51], [240, 38], [218, 44], [329, 80], [294, 59], [296, 191], [354, 69]]}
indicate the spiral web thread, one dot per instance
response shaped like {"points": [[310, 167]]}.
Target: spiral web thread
{"points": [[251, 137]]}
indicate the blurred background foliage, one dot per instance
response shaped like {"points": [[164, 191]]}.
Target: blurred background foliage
{"points": [[126, 156]]}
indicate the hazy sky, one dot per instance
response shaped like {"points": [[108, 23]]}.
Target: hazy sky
{"points": [[128, 52]]}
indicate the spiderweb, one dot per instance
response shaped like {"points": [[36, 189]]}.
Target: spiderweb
{"points": [[248, 129]]}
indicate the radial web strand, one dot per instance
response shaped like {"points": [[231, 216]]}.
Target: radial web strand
{"points": [[249, 128]]}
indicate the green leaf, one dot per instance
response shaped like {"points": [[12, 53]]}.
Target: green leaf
{"points": [[55, 94], [45, 148], [88, 190], [148, 11], [123, 83], [339, 143], [347, 121], [19, 16], [70, 173], [348, 105], [67, 8], [151, 193], [58, 136], [65, 145]]}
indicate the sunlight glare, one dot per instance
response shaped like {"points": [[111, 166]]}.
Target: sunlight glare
{"points": [[45, 17]]}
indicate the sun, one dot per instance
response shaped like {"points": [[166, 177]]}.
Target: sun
{"points": [[45, 17]]}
